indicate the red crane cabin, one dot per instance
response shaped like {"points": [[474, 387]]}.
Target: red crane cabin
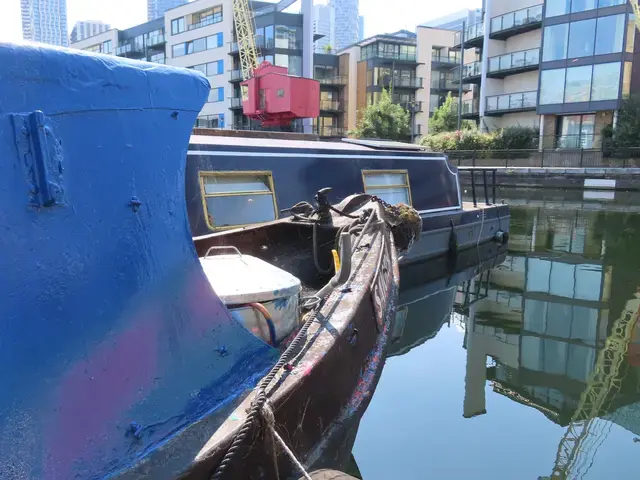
{"points": [[276, 98]]}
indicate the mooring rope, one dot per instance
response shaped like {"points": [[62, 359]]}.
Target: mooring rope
{"points": [[270, 420]]}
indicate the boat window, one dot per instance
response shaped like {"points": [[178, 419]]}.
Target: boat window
{"points": [[232, 199], [392, 186]]}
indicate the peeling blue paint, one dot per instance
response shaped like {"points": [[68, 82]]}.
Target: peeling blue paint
{"points": [[108, 323]]}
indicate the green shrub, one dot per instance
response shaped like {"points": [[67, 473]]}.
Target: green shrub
{"points": [[509, 138]]}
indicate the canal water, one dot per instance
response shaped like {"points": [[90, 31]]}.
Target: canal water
{"points": [[530, 370]]}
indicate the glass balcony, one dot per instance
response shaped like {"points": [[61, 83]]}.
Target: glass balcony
{"points": [[469, 71], [331, 131], [209, 20], [156, 40], [472, 35], [448, 82], [330, 106], [513, 23], [453, 58], [236, 76], [236, 102], [520, 61], [499, 104], [470, 107], [337, 80]]}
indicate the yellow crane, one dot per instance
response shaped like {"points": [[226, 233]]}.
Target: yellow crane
{"points": [[243, 18]]}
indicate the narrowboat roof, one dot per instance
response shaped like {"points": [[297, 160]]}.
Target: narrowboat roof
{"points": [[348, 144]]}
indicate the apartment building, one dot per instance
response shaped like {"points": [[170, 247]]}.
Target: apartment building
{"points": [[324, 23], [86, 29], [437, 64], [377, 63], [347, 22], [198, 36], [564, 67], [156, 8], [453, 21], [45, 21]]}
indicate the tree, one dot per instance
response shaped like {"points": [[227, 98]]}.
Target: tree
{"points": [[627, 130], [445, 118], [328, 48], [384, 120]]}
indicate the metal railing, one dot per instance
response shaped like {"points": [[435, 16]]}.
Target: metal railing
{"points": [[336, 80], [236, 102], [235, 75], [483, 172], [407, 105], [510, 61], [331, 105], [452, 58], [210, 20], [331, 131], [156, 40], [469, 107], [447, 83], [596, 157], [517, 18], [471, 33], [411, 57], [511, 101], [473, 69]]}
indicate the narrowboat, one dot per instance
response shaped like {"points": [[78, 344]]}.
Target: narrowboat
{"points": [[127, 351], [236, 179]]}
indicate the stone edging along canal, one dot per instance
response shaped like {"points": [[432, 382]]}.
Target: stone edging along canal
{"points": [[558, 177]]}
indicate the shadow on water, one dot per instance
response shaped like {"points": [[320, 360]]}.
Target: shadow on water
{"points": [[529, 370]]}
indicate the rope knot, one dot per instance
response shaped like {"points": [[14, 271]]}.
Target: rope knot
{"points": [[267, 415]]}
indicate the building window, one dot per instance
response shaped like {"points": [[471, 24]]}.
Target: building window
{"points": [[107, 48], [606, 81], [392, 186], [610, 3], [210, 69], [157, 58], [177, 26], [626, 79], [197, 45], [280, 92], [583, 84], [233, 199], [578, 84], [551, 86], [287, 37], [576, 131], [216, 95], [207, 17], [555, 42], [178, 50], [581, 38], [582, 5], [210, 121], [268, 37], [609, 34], [631, 34], [557, 7]]}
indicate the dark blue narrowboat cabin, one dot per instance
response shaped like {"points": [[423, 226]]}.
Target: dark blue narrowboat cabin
{"points": [[234, 181]]}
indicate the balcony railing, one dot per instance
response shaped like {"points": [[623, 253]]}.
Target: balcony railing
{"points": [[511, 101], [331, 131], [123, 49], [337, 80], [233, 47], [410, 57], [447, 83], [236, 102], [401, 82], [516, 19], [407, 104], [469, 70], [515, 60], [469, 107], [470, 33], [236, 75], [156, 40], [453, 58], [331, 105], [205, 22]]}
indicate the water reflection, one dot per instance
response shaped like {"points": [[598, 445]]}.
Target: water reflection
{"points": [[552, 330]]}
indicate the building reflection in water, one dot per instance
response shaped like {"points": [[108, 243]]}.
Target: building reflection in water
{"points": [[536, 327]]}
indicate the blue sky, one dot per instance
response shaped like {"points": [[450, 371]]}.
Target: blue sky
{"points": [[381, 16]]}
